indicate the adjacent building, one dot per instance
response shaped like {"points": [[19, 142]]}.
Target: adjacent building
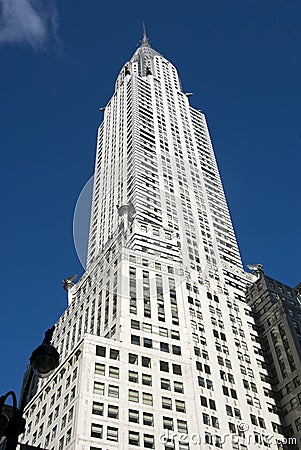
{"points": [[277, 312], [159, 348]]}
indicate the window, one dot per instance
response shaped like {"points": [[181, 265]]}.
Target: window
{"points": [[113, 372], [148, 342], [180, 406], [133, 416], [49, 419], [97, 408], [56, 412], [176, 349], [182, 426], [214, 421], [164, 347], [204, 401], [113, 391], [135, 339], [146, 379], [165, 384], [64, 421], [298, 423], [99, 388], [133, 359], [164, 366], [100, 351], [72, 393], [261, 422], [133, 396], [163, 332], [113, 411], [175, 334], [146, 362], [47, 439], [206, 419], [133, 438], [66, 399], [112, 434], [148, 419], [209, 385], [207, 369], [232, 427], [96, 430], [135, 324], [233, 393], [179, 387], [147, 399], [253, 419], [167, 423], [225, 390], [147, 327], [166, 403], [176, 368], [148, 441], [68, 435], [212, 404], [133, 376], [229, 410], [114, 354]]}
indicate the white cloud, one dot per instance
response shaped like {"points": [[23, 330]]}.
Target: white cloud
{"points": [[27, 21]]}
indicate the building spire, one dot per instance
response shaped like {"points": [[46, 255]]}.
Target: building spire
{"points": [[144, 41]]}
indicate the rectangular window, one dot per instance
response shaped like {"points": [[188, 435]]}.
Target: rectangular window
{"points": [[133, 359], [100, 351], [146, 379], [180, 406], [176, 349], [148, 419], [133, 376], [135, 339], [166, 403], [164, 366], [68, 435], [165, 384], [148, 441], [167, 423], [113, 411], [113, 372], [147, 399], [179, 387], [97, 408], [146, 362], [133, 396], [148, 342], [114, 354], [96, 430], [133, 416], [112, 434], [99, 388], [133, 438], [113, 391], [176, 368], [182, 426]]}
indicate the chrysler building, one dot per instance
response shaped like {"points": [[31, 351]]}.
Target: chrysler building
{"points": [[158, 346]]}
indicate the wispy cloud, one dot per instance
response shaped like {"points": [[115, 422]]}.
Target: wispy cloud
{"points": [[32, 22]]}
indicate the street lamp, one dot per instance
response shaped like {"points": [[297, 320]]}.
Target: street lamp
{"points": [[44, 360]]}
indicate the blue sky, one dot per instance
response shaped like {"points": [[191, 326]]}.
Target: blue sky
{"points": [[59, 61]]}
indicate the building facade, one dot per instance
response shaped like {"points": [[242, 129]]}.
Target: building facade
{"points": [[277, 312], [158, 346]]}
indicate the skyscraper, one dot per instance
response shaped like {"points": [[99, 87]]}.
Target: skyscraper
{"points": [[158, 346], [277, 311]]}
